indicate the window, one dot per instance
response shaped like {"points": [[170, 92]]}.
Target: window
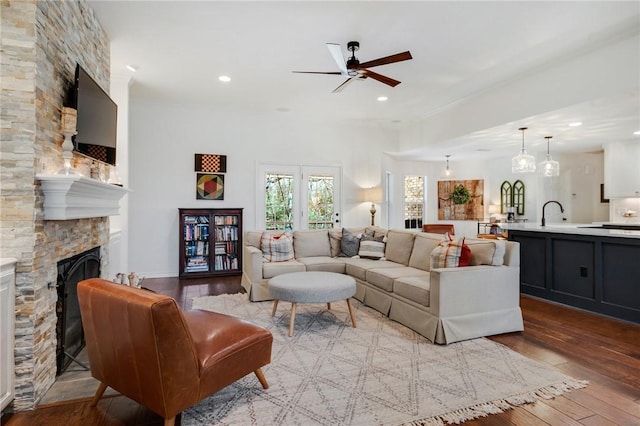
{"points": [[298, 197], [278, 194], [413, 201]]}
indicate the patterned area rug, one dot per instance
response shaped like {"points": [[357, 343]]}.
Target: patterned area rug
{"points": [[380, 373]]}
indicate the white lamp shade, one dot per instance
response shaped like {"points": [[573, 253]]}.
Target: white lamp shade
{"points": [[549, 167], [523, 163], [372, 195]]}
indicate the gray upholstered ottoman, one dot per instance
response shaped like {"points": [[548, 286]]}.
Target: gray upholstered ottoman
{"points": [[311, 287]]}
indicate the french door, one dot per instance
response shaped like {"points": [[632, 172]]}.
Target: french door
{"points": [[298, 197]]}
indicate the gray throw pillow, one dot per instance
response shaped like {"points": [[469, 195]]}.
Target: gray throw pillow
{"points": [[350, 243]]}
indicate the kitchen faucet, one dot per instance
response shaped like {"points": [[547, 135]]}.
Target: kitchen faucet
{"points": [[545, 205]]}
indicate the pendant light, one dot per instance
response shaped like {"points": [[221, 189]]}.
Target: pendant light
{"points": [[548, 167], [523, 162], [447, 173]]}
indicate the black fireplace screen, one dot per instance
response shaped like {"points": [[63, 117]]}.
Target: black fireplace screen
{"points": [[70, 337]]}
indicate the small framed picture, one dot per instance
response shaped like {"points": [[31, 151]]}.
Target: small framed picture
{"points": [[209, 186]]}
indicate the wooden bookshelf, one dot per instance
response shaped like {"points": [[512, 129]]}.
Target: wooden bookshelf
{"points": [[210, 242]]}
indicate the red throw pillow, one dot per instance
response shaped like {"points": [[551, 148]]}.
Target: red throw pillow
{"points": [[465, 254]]}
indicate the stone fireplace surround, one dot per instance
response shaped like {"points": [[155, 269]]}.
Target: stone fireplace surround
{"points": [[42, 41]]}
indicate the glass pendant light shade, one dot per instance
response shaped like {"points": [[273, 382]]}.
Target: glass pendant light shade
{"points": [[549, 167], [447, 173], [523, 162]]}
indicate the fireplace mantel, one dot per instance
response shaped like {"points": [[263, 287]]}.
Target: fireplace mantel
{"points": [[69, 197]]}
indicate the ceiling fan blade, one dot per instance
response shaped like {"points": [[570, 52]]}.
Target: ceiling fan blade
{"points": [[317, 72], [381, 78], [343, 85], [336, 52], [398, 57]]}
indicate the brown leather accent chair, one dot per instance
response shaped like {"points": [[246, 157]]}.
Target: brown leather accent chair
{"points": [[143, 346], [438, 228]]}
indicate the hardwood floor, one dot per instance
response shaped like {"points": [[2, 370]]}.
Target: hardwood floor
{"points": [[603, 351]]}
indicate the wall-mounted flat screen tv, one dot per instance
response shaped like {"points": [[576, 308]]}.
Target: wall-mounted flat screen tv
{"points": [[97, 119]]}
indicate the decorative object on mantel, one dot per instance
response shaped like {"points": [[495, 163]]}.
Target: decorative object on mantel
{"points": [[549, 167], [210, 163], [209, 186], [373, 195], [447, 173], [512, 198], [69, 122], [74, 196], [461, 199], [523, 162]]}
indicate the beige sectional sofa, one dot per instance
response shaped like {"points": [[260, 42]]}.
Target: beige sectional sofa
{"points": [[443, 304]]}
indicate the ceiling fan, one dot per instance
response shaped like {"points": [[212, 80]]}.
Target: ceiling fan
{"points": [[355, 70]]}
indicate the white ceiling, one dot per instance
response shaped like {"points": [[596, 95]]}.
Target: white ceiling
{"points": [[459, 49]]}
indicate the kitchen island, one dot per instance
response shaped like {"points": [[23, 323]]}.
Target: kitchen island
{"points": [[596, 269]]}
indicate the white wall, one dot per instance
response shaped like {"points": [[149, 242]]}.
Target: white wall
{"points": [[577, 189], [164, 138]]}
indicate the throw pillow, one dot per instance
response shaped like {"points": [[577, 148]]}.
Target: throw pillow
{"points": [[450, 253], [276, 248], [371, 247], [335, 237], [350, 243]]}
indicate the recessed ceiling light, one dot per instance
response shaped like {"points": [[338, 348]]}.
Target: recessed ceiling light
{"points": [[132, 68], [637, 133], [575, 124], [224, 78], [382, 98]]}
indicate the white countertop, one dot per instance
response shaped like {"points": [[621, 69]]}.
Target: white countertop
{"points": [[572, 228]]}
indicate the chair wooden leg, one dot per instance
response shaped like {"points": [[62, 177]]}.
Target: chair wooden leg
{"points": [[263, 380], [98, 395], [293, 318], [351, 313], [275, 306], [170, 422]]}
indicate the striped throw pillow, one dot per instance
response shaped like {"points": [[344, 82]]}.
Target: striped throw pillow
{"points": [[450, 253], [276, 248], [371, 247]]}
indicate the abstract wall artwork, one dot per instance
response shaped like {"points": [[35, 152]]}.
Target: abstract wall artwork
{"points": [[209, 186], [211, 163], [461, 199]]}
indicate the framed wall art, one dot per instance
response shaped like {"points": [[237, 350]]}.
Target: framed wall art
{"points": [[209, 186], [461, 199]]}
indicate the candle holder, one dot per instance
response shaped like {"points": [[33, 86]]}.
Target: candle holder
{"points": [[69, 121]]}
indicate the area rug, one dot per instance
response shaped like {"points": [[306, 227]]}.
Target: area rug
{"points": [[380, 373]]}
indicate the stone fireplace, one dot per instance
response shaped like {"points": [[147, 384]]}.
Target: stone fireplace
{"points": [[42, 41], [69, 332]]}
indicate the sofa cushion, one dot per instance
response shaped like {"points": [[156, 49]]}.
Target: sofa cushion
{"points": [[270, 270], [384, 277], [371, 247], [276, 248], [487, 252], [451, 254], [399, 246], [357, 267], [423, 245], [324, 263], [416, 289], [310, 243]]}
